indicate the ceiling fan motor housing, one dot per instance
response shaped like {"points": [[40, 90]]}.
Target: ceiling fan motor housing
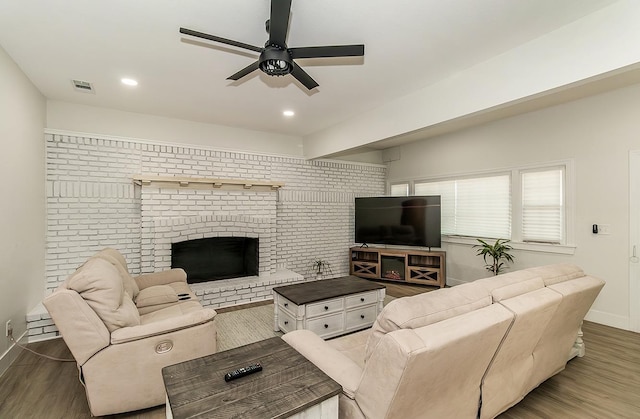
{"points": [[275, 61]]}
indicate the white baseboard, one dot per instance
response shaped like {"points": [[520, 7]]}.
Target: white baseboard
{"points": [[608, 319], [10, 355]]}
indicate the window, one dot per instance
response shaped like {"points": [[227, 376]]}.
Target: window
{"points": [[525, 205], [543, 206], [478, 207], [400, 189]]}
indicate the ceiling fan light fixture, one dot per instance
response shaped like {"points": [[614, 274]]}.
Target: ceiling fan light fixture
{"points": [[275, 61]]}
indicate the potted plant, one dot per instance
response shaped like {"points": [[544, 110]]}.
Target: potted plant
{"points": [[497, 252], [320, 267]]}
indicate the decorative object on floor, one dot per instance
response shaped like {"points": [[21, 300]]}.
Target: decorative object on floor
{"points": [[321, 267], [276, 59], [497, 251]]}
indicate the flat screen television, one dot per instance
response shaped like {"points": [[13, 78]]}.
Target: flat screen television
{"points": [[398, 220]]}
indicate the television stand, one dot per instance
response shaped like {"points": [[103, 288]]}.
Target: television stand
{"points": [[399, 265]]}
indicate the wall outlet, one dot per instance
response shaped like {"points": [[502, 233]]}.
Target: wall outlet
{"points": [[8, 329]]}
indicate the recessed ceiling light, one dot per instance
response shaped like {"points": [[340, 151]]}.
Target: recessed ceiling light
{"points": [[129, 82], [288, 113]]}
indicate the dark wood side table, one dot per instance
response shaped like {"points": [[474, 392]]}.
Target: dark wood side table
{"points": [[289, 386]]}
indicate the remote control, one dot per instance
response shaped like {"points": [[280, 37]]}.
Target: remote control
{"points": [[241, 372]]}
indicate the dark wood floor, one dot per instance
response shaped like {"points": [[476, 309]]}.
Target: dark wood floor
{"points": [[603, 384]]}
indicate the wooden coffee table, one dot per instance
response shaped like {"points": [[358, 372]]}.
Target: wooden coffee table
{"points": [[328, 307], [289, 386]]}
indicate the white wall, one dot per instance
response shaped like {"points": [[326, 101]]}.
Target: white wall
{"points": [[601, 42], [77, 118], [22, 211], [597, 133]]}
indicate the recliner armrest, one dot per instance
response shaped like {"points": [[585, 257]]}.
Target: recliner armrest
{"points": [[156, 295], [331, 361], [184, 321], [161, 278]]}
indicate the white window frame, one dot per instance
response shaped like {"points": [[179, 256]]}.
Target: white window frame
{"points": [[520, 230], [566, 247], [408, 185]]}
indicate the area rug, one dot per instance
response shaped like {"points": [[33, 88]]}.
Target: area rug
{"points": [[241, 327]]}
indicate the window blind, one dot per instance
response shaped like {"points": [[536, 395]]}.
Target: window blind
{"points": [[400, 189], [477, 207], [543, 206]]}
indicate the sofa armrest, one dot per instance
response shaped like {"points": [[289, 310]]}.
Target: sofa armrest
{"points": [[156, 295], [82, 330], [183, 321], [331, 361], [161, 278]]}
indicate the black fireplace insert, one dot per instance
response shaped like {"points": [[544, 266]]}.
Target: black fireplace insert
{"points": [[216, 258]]}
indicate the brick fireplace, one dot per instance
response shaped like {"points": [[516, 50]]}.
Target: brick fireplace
{"points": [[176, 209]]}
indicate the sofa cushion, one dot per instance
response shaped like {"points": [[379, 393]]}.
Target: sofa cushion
{"points": [[115, 257], [559, 272], [170, 312], [352, 345], [493, 282], [156, 295], [425, 309], [99, 283], [433, 371], [516, 289]]}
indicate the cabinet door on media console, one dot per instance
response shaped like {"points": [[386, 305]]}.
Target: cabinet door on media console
{"points": [[365, 263]]}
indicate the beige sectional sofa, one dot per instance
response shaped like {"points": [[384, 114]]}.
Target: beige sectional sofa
{"points": [[123, 330], [469, 351]]}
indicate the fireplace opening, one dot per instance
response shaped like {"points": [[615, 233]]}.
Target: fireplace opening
{"points": [[216, 258]]}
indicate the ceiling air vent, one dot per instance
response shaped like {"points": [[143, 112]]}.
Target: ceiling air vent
{"points": [[82, 86]]}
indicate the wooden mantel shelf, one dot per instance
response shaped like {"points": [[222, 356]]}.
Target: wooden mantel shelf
{"points": [[205, 183]]}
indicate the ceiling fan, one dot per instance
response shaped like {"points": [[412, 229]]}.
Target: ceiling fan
{"points": [[276, 59]]}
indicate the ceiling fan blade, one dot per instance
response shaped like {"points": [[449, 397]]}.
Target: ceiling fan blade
{"points": [[327, 51], [279, 21], [219, 39], [248, 69], [303, 77]]}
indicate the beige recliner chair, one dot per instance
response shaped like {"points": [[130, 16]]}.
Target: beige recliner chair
{"points": [[122, 330]]}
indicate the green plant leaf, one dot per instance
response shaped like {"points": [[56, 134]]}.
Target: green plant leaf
{"points": [[497, 251]]}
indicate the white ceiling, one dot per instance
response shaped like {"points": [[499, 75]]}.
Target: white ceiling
{"points": [[409, 44]]}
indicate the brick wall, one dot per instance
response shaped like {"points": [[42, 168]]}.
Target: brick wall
{"points": [[93, 203]]}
